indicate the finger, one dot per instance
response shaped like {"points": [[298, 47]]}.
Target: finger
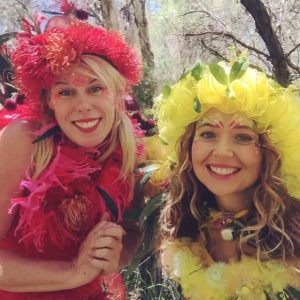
{"points": [[108, 242], [105, 255], [101, 224], [105, 217], [114, 231]]}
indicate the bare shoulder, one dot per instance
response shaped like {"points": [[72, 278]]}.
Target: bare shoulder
{"points": [[18, 132], [16, 149]]}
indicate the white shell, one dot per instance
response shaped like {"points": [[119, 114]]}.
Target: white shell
{"points": [[227, 234]]}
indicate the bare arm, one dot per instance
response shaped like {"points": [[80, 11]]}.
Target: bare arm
{"points": [[15, 155]]}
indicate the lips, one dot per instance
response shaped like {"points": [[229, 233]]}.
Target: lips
{"points": [[222, 171], [87, 125]]}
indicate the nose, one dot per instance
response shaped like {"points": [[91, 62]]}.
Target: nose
{"points": [[83, 103], [223, 148]]}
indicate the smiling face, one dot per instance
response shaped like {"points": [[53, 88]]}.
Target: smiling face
{"points": [[225, 153], [83, 107]]}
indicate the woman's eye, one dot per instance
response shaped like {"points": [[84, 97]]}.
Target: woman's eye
{"points": [[208, 135], [244, 138], [96, 89], [65, 93]]}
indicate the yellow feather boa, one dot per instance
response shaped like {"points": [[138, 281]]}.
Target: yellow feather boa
{"points": [[200, 279]]}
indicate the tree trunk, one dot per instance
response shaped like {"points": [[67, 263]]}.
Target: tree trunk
{"points": [[147, 55], [264, 26], [109, 14]]}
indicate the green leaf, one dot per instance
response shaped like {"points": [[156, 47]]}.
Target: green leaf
{"points": [[219, 73], [132, 214], [197, 105], [167, 91], [238, 69], [110, 203], [294, 292], [197, 71], [152, 205], [147, 170]]}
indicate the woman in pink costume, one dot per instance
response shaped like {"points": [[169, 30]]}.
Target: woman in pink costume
{"points": [[67, 156]]}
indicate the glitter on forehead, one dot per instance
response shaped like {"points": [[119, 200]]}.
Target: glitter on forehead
{"points": [[213, 117], [78, 80], [240, 119]]}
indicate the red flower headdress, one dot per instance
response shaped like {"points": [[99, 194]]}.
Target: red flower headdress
{"points": [[38, 59]]}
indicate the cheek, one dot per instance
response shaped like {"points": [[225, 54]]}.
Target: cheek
{"points": [[200, 150], [254, 156], [53, 101]]}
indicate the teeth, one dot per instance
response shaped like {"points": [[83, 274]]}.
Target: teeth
{"points": [[223, 171], [86, 124]]}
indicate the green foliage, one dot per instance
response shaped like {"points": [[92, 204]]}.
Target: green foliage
{"points": [[144, 92], [219, 73], [238, 69], [143, 278], [147, 282], [197, 71], [166, 90], [197, 105]]}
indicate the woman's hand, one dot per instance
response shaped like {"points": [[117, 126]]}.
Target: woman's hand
{"points": [[107, 248], [100, 252]]}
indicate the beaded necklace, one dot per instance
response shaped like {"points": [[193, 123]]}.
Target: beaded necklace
{"points": [[228, 223]]}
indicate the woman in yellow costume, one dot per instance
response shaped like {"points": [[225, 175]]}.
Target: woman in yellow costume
{"points": [[231, 223]]}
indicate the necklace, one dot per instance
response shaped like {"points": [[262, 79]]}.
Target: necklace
{"points": [[228, 223]]}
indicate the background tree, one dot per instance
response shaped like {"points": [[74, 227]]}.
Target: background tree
{"points": [[269, 32], [172, 34], [148, 83], [107, 10]]}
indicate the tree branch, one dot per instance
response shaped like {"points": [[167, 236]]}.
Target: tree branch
{"points": [[206, 13], [264, 26], [291, 51], [293, 66], [214, 51], [231, 36]]}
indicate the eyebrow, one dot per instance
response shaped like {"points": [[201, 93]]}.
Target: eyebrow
{"points": [[66, 82], [241, 127], [218, 125], [237, 126]]}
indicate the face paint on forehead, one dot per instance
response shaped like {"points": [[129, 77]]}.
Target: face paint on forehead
{"points": [[213, 118], [78, 79], [238, 120]]}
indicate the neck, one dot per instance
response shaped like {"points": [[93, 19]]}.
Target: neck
{"points": [[235, 202]]}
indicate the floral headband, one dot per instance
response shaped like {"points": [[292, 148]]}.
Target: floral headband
{"points": [[38, 59], [235, 88]]}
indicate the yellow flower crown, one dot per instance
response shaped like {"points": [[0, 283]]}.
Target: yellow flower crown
{"points": [[235, 88]]}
